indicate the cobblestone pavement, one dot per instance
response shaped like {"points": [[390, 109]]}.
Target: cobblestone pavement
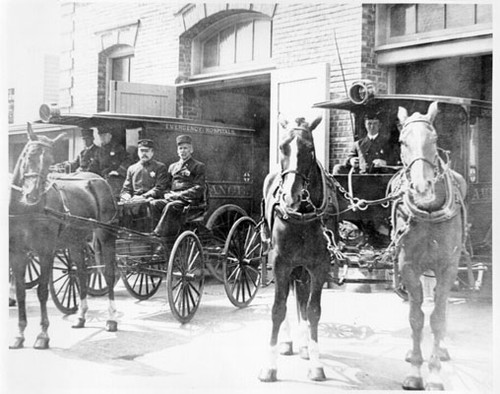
{"points": [[363, 340]]}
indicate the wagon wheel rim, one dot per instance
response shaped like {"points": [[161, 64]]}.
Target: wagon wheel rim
{"points": [[64, 287], [185, 277], [242, 266], [141, 280], [219, 224]]}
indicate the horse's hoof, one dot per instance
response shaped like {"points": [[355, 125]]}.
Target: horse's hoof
{"points": [[304, 353], [286, 348], [443, 354], [12, 302], [316, 374], [41, 343], [18, 343], [433, 386], [111, 326], [80, 323], [413, 383], [268, 375]]}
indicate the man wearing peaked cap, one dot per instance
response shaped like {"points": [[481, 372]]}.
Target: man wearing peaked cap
{"points": [[185, 186], [111, 155], [184, 139], [88, 159], [146, 179]]}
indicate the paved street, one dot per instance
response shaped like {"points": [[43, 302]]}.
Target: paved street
{"points": [[363, 341]]}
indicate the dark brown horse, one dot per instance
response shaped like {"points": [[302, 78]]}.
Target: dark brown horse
{"points": [[300, 206], [37, 201], [428, 225]]}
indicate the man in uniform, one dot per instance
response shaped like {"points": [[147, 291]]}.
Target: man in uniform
{"points": [[88, 159], [370, 154], [185, 185], [111, 155], [113, 161], [146, 179]]}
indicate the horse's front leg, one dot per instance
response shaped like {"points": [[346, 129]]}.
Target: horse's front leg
{"points": [[105, 244], [282, 288], [438, 326], [316, 371], [18, 271], [411, 281], [46, 260]]}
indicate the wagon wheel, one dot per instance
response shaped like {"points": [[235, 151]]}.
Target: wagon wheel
{"points": [[185, 276], [142, 279], [219, 224], [242, 266], [64, 287], [32, 270]]}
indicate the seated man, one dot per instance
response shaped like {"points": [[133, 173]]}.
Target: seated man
{"points": [[370, 154], [87, 160], [146, 179], [185, 185], [112, 157]]}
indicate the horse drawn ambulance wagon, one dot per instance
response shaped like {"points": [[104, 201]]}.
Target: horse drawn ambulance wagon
{"points": [[465, 140], [217, 236]]}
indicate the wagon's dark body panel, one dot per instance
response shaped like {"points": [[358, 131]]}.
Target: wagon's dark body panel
{"points": [[227, 150]]}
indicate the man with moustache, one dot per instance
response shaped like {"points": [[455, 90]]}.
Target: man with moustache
{"points": [[146, 179], [185, 186]]}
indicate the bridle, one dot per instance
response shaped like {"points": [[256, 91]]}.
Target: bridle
{"points": [[305, 195], [41, 178], [442, 171], [438, 164]]}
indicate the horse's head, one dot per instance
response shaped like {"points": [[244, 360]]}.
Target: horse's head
{"points": [[297, 160], [419, 152], [32, 168]]}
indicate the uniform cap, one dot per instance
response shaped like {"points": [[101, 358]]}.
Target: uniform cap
{"points": [[145, 144], [372, 115], [87, 133], [184, 139], [103, 130]]}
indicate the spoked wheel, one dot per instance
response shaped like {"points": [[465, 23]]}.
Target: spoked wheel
{"points": [[219, 224], [32, 270], [185, 276], [242, 266], [142, 279], [64, 287]]}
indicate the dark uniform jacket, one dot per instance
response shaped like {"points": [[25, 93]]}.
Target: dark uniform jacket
{"points": [[187, 180], [368, 150], [147, 180], [111, 156], [87, 160]]}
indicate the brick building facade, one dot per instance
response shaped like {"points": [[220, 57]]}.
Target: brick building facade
{"points": [[175, 45]]}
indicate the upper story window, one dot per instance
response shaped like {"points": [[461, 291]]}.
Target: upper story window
{"points": [[120, 68], [410, 19], [234, 44]]}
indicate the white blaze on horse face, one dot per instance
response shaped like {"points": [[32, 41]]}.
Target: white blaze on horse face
{"points": [[291, 192], [421, 172]]}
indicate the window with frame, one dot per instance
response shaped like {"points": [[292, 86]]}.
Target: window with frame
{"points": [[242, 43], [408, 19], [120, 68]]}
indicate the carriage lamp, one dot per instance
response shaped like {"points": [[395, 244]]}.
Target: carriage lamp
{"points": [[361, 91], [48, 111], [473, 174]]}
